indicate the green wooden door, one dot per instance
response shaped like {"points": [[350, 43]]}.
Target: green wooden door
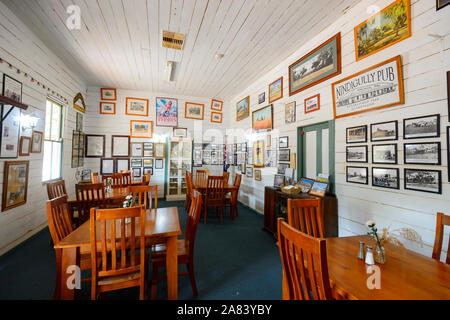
{"points": [[315, 151]]}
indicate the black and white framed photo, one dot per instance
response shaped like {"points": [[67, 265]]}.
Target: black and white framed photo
{"points": [[384, 131], [120, 146], [357, 134], [137, 149], [386, 178], [122, 164], [423, 180], [278, 180], [357, 154], [148, 162], [136, 163], [262, 98], [283, 142], [95, 146], [137, 173], [282, 168], [357, 175], [12, 88], [284, 155], [422, 127], [423, 153], [10, 132], [107, 166], [384, 153], [159, 164]]}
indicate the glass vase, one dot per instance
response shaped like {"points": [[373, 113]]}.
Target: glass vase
{"points": [[380, 255]]}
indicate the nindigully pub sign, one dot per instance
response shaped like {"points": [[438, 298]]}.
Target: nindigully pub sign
{"points": [[377, 87]]}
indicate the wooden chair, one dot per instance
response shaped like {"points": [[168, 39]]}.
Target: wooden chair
{"points": [[89, 196], [214, 196], [117, 180], [304, 261], [189, 190], [185, 247], [120, 267], [226, 177], [201, 177], [441, 221], [56, 189], [126, 179], [144, 196], [306, 216], [229, 202], [146, 179], [95, 178]]}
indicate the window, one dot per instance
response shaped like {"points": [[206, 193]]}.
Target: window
{"points": [[53, 142]]}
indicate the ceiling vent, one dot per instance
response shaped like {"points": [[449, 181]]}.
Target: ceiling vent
{"points": [[172, 40]]}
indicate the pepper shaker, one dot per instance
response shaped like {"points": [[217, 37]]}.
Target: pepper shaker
{"points": [[361, 254], [369, 256]]}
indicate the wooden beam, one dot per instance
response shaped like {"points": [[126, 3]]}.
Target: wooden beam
{"points": [[5, 100]]}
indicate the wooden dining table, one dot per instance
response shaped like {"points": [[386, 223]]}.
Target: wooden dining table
{"points": [[406, 275], [162, 225], [116, 194], [228, 188]]}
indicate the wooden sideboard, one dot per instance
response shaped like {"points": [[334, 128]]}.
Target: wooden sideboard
{"points": [[275, 206]]}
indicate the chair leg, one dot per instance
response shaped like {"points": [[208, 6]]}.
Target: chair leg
{"points": [[205, 212], [190, 266], [221, 215], [154, 280]]}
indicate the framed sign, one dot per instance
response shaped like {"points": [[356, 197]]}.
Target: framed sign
{"points": [[120, 146], [108, 94], [25, 146], [107, 107], [137, 149], [141, 129], [136, 107], [95, 146], [166, 112], [276, 90], [194, 111], [10, 132], [216, 105], [15, 184], [377, 87], [37, 139]]}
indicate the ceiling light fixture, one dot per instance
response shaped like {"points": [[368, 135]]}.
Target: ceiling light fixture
{"points": [[169, 70], [219, 56]]}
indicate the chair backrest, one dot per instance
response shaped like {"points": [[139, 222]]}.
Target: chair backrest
{"points": [[214, 189], [226, 177], [193, 220], [189, 186], [117, 180], [58, 218], [201, 177], [89, 196], [146, 178], [56, 189], [126, 179], [237, 180], [143, 196], [441, 221], [306, 216], [110, 234], [304, 261], [95, 178]]}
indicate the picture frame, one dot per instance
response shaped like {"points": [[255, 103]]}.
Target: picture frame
{"points": [[262, 98], [137, 149], [276, 90], [146, 170], [290, 112], [289, 176], [78, 147], [78, 103], [79, 122], [108, 94], [306, 184], [15, 184], [122, 164], [195, 111], [107, 166], [422, 127], [448, 88], [356, 134], [180, 132], [312, 104], [147, 162], [216, 105], [281, 168], [10, 132], [166, 112], [384, 154], [120, 146], [216, 117], [327, 63], [384, 131], [137, 173], [423, 180], [136, 107], [159, 164], [12, 88], [284, 155], [358, 175], [243, 109], [388, 178], [381, 30], [37, 139], [86, 175], [249, 172], [448, 151], [141, 129], [258, 154], [283, 142], [319, 188], [441, 4], [159, 150], [107, 108], [278, 180], [425, 153], [258, 175], [357, 154], [136, 162], [262, 119], [25, 146]]}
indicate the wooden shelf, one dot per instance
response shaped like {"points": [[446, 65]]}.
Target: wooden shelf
{"points": [[6, 100]]}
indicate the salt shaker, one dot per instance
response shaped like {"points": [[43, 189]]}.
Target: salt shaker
{"points": [[369, 256], [361, 255]]}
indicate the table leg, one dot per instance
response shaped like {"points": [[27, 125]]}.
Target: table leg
{"points": [[69, 258], [233, 204], [172, 268]]}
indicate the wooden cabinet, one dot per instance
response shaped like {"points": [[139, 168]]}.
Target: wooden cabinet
{"points": [[275, 206]]}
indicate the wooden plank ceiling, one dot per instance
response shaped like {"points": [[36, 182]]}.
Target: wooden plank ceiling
{"points": [[119, 44]]}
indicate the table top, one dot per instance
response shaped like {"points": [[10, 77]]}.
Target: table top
{"points": [[160, 223], [405, 275]]}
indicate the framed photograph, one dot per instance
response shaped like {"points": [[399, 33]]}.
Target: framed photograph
{"points": [[386, 178], [108, 94], [384, 153], [278, 180], [107, 107], [448, 88], [194, 111], [107, 166], [25, 146], [216, 105], [321, 64], [384, 29], [357, 154], [37, 139], [258, 176], [422, 127], [423, 153], [159, 164], [262, 98], [357, 134], [258, 154], [141, 129], [354, 94], [12, 88], [136, 163], [384, 131], [441, 3], [249, 172], [276, 90], [357, 175], [216, 117], [147, 162], [423, 180], [270, 159], [448, 151], [312, 104], [306, 184], [122, 164], [166, 112], [262, 119], [290, 112], [86, 175], [10, 132], [283, 142], [160, 150], [79, 122], [137, 173], [137, 149], [289, 175], [180, 132], [120, 146], [281, 168], [15, 184], [319, 188], [284, 155], [136, 107], [147, 170], [243, 109]]}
